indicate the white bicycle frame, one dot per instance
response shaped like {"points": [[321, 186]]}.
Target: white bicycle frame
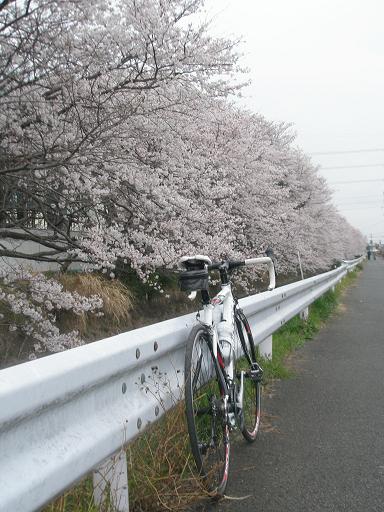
{"points": [[218, 316]]}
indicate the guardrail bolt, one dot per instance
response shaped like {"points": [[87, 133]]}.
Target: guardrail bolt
{"points": [[137, 353], [124, 388], [142, 378], [157, 410], [139, 423], [155, 346]]}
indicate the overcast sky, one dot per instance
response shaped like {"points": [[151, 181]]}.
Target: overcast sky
{"points": [[320, 66]]}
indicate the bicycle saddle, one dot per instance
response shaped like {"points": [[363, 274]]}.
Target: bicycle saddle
{"points": [[194, 262]]}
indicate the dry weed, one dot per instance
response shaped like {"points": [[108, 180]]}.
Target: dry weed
{"points": [[161, 468], [117, 300]]}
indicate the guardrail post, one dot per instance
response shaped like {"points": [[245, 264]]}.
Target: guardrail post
{"points": [[304, 314], [265, 348], [112, 477]]}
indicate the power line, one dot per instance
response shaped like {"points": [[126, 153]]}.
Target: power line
{"points": [[351, 166], [377, 207], [347, 151], [377, 223], [352, 203], [354, 181], [371, 196]]}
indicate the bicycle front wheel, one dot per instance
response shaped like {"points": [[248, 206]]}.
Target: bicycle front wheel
{"points": [[246, 361], [207, 428]]}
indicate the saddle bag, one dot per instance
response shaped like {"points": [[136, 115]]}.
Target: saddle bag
{"points": [[194, 280]]}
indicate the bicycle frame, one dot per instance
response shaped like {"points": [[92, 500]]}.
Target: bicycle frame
{"points": [[221, 305], [220, 313], [219, 317]]}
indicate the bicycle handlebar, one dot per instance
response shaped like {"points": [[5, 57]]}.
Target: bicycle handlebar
{"points": [[271, 268], [265, 260]]}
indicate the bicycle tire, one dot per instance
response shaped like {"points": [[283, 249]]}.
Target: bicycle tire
{"points": [[208, 432], [246, 356]]}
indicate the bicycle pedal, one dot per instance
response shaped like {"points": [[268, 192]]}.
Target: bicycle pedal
{"points": [[231, 420], [256, 372]]}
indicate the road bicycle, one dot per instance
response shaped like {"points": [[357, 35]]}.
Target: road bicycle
{"points": [[222, 375]]}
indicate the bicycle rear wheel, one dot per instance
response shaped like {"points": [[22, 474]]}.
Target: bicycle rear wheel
{"points": [[208, 430], [246, 361]]}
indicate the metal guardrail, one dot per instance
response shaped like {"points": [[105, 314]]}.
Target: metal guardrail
{"points": [[63, 415]]}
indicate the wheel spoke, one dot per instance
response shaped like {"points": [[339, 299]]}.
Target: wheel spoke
{"points": [[250, 413], [207, 430]]}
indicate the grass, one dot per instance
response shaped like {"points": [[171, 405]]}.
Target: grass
{"points": [[297, 331], [161, 468], [78, 499]]}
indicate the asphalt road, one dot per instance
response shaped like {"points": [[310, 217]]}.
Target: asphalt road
{"points": [[322, 448]]}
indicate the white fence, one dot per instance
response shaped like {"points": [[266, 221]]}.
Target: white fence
{"points": [[64, 415]]}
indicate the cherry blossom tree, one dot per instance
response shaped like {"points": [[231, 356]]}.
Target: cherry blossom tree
{"points": [[120, 140], [78, 124]]}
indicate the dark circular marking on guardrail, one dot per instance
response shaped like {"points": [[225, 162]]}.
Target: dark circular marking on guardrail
{"points": [[155, 346], [157, 410], [139, 422], [124, 388], [137, 353], [142, 378]]}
